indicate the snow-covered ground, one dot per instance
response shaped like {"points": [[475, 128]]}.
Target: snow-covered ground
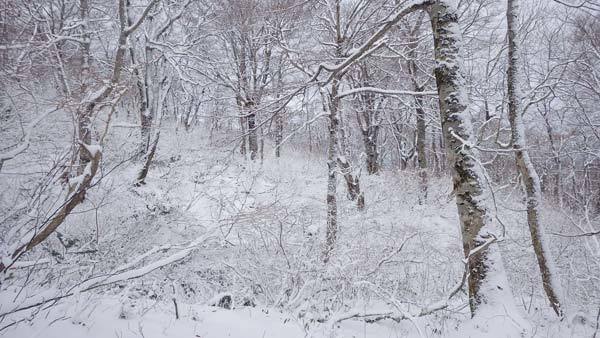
{"points": [[208, 223]]}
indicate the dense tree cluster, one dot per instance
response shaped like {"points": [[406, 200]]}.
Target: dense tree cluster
{"points": [[494, 95]]}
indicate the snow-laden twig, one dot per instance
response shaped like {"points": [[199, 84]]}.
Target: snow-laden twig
{"points": [[304, 125], [374, 42], [399, 314], [391, 255], [26, 140]]}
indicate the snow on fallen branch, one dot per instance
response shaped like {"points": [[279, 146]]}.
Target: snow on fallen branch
{"points": [[121, 273], [27, 264], [385, 92]]}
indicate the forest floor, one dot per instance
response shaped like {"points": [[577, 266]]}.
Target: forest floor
{"points": [[266, 223]]}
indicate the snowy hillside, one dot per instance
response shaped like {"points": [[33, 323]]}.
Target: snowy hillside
{"points": [[260, 228], [299, 168]]}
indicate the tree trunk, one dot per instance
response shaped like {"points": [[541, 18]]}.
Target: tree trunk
{"points": [[84, 133], [145, 129], [489, 291], [370, 141], [331, 231], [420, 112], [148, 160], [279, 115], [421, 153], [529, 175], [368, 119], [243, 149], [252, 134], [142, 89], [278, 133], [352, 181]]}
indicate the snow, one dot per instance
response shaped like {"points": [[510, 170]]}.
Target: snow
{"points": [[210, 223], [157, 260], [93, 149], [110, 317]]}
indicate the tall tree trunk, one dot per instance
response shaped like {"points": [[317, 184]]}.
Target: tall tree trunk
{"points": [[84, 13], [489, 291], [142, 89], [558, 184], [252, 134], [367, 117], [84, 128], [529, 175], [278, 133], [279, 116], [352, 181], [331, 231], [370, 141], [243, 148], [420, 112], [421, 145]]}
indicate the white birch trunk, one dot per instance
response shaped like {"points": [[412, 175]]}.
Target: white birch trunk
{"points": [[529, 175], [489, 291]]}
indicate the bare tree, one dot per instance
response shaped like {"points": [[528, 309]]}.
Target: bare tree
{"points": [[91, 102], [529, 176]]}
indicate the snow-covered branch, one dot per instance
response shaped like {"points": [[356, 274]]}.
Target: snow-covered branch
{"points": [[389, 92]]}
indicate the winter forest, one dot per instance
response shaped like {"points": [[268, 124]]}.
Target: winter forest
{"points": [[299, 168]]}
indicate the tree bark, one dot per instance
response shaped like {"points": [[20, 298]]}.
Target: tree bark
{"points": [[84, 134], [529, 175], [252, 134], [148, 160], [368, 120], [421, 146], [141, 85], [419, 112], [279, 116], [352, 181], [84, 131], [243, 147], [278, 133], [331, 231], [489, 291]]}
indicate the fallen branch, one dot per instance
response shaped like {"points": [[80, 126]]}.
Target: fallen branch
{"points": [[118, 275], [585, 234], [382, 91]]}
